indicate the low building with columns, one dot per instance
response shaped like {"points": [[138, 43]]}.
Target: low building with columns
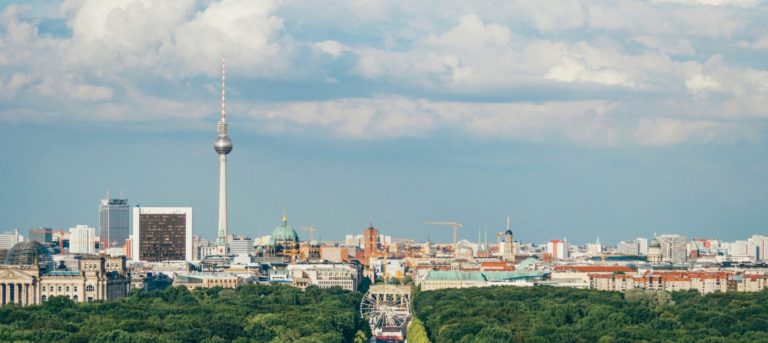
{"points": [[28, 277]]}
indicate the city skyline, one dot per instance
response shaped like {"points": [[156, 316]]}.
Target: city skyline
{"points": [[581, 126]]}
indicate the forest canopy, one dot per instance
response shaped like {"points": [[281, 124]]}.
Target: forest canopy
{"points": [[247, 314], [547, 314]]}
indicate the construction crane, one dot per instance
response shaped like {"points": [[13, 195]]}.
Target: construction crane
{"points": [[455, 225], [311, 230]]}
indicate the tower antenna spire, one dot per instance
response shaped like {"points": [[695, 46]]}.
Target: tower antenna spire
{"points": [[223, 88]]}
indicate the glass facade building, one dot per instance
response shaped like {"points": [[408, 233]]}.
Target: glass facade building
{"points": [[113, 222]]}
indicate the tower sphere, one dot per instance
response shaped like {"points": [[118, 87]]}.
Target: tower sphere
{"points": [[223, 145]]}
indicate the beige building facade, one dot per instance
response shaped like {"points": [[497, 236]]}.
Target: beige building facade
{"points": [[98, 278]]}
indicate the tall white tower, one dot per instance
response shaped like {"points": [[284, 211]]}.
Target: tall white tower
{"points": [[223, 146]]}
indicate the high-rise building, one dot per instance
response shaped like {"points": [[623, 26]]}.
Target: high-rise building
{"points": [[41, 235], [509, 245], [370, 243], [9, 239], [162, 234], [82, 240], [114, 224], [558, 249], [760, 244], [643, 245], [223, 146], [674, 248]]}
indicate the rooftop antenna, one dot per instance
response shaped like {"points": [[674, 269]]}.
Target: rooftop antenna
{"points": [[508, 223]]}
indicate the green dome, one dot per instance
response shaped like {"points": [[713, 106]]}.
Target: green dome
{"points": [[284, 233]]}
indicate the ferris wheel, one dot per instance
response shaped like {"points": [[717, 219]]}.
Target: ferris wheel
{"points": [[386, 306]]}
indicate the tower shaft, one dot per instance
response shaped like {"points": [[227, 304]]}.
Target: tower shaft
{"points": [[221, 238]]}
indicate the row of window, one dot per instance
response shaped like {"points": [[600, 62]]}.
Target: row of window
{"points": [[88, 288]]}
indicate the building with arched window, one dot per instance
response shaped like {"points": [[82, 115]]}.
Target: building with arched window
{"points": [[27, 277]]}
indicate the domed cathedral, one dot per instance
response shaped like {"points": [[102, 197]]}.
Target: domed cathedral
{"points": [[654, 251], [284, 241]]}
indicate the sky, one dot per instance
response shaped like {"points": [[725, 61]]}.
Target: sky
{"points": [[577, 119]]}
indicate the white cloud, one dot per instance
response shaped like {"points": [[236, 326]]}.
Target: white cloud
{"points": [[496, 70], [329, 47], [393, 116], [573, 69], [88, 92], [700, 85], [9, 87]]}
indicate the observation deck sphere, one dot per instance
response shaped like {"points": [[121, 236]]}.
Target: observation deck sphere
{"points": [[223, 145]]}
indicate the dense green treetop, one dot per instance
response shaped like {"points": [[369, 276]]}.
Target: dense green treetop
{"points": [[547, 314], [246, 314]]}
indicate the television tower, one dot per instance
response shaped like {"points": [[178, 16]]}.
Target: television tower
{"points": [[223, 146]]}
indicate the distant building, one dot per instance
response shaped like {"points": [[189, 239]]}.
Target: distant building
{"points": [[654, 251], [642, 245], [370, 244], [114, 222], [595, 249], [208, 280], [628, 248], [27, 277], [82, 240], [433, 279], [704, 282], [162, 234], [41, 235], [323, 275], [674, 248], [334, 254], [9, 239], [509, 245], [760, 244], [241, 245], [558, 249]]}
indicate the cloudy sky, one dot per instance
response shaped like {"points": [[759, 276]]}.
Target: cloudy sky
{"points": [[579, 119]]}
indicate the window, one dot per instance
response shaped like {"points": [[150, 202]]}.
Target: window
{"points": [[75, 288], [89, 288], [44, 298], [75, 298], [59, 288], [67, 288]]}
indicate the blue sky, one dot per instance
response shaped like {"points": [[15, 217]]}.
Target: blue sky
{"points": [[579, 119]]}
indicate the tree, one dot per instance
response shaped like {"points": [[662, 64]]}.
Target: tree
{"points": [[417, 333], [360, 337]]}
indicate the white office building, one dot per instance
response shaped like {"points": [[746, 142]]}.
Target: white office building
{"points": [[82, 240], [9, 239]]}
